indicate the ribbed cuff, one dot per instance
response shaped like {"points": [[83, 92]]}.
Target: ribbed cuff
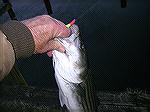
{"points": [[20, 37]]}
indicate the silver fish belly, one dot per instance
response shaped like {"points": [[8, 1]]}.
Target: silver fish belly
{"points": [[71, 74]]}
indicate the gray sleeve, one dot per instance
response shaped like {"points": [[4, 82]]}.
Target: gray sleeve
{"points": [[20, 37]]}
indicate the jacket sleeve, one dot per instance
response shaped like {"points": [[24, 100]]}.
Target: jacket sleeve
{"points": [[16, 41]]}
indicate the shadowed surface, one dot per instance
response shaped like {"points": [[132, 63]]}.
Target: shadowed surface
{"points": [[27, 99]]}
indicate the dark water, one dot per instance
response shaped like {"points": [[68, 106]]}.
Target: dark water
{"points": [[116, 40]]}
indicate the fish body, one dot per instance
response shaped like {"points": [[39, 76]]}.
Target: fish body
{"points": [[71, 73]]}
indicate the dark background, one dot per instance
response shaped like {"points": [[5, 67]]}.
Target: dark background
{"points": [[116, 39]]}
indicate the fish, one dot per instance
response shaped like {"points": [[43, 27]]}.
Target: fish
{"points": [[71, 74]]}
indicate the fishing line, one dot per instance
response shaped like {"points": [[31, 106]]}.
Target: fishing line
{"points": [[86, 11]]}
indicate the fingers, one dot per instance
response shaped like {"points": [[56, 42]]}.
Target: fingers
{"points": [[64, 32], [49, 53], [61, 29], [53, 45], [44, 29], [51, 26]]}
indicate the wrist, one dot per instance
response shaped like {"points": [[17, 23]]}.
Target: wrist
{"points": [[31, 29]]}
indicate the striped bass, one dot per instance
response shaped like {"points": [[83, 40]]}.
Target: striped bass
{"points": [[71, 74]]}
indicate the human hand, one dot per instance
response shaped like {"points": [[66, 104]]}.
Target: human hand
{"points": [[44, 29]]}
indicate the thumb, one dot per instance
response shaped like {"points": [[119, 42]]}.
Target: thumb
{"points": [[53, 45]]}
